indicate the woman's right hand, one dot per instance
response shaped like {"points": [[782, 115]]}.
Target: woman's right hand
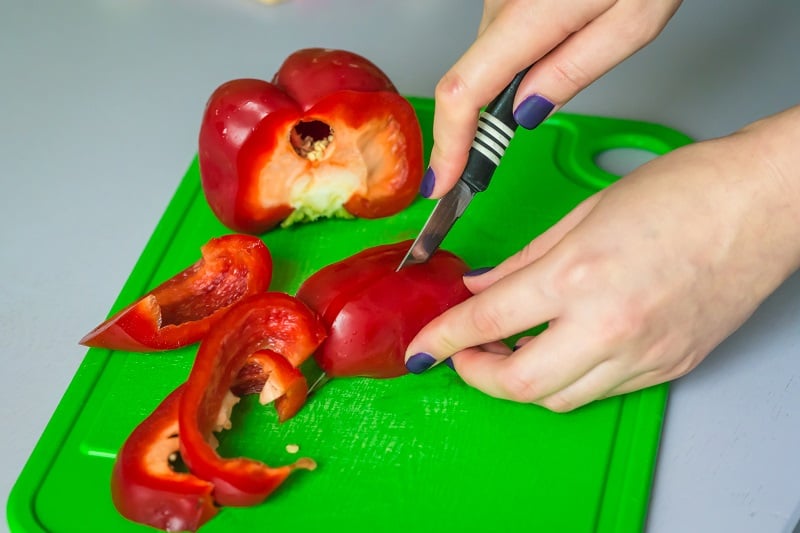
{"points": [[570, 44]]}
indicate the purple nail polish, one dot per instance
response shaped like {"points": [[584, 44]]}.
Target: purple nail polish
{"points": [[428, 181], [532, 111], [478, 271], [420, 362], [449, 362]]}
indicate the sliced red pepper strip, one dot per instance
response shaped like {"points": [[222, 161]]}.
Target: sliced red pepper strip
{"points": [[272, 321], [273, 377], [180, 311], [144, 486]]}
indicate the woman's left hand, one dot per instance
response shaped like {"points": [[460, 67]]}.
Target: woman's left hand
{"points": [[638, 283]]}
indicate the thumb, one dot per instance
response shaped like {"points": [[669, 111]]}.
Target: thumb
{"points": [[513, 304]]}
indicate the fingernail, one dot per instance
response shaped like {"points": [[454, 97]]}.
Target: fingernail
{"points": [[420, 362], [532, 111], [478, 271], [516, 347], [449, 362], [428, 181]]}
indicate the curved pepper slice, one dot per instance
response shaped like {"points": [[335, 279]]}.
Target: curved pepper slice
{"points": [[270, 321], [329, 136], [144, 486], [180, 311]]}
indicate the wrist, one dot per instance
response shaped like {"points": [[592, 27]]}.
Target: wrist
{"points": [[773, 145]]}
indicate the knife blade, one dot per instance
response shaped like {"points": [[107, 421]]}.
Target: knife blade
{"points": [[315, 376], [445, 213], [496, 127]]}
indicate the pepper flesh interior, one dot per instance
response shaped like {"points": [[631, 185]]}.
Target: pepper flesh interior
{"points": [[210, 287], [351, 166]]}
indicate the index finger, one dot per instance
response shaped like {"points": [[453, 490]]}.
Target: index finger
{"points": [[511, 305]]}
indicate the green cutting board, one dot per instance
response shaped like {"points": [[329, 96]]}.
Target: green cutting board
{"points": [[417, 453]]}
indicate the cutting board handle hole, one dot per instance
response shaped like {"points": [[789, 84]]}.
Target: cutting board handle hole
{"points": [[622, 161]]}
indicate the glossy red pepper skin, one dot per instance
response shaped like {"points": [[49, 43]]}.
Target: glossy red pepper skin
{"points": [[145, 488], [180, 311], [269, 321], [373, 312], [253, 176]]}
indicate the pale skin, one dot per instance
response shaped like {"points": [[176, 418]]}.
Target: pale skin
{"points": [[642, 280], [568, 48]]}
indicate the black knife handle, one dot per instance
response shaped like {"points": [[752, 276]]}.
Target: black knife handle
{"points": [[496, 126]]}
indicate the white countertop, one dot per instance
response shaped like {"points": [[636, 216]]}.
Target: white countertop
{"points": [[100, 104]]}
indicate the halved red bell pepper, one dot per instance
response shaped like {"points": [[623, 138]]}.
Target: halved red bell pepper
{"points": [[180, 311], [372, 311], [145, 487], [329, 136], [269, 321]]}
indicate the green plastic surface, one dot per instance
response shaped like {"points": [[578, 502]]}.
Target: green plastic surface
{"points": [[416, 453]]}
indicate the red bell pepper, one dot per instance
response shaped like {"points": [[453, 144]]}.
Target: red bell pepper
{"points": [[180, 311], [329, 136], [373, 312], [145, 487], [269, 321]]}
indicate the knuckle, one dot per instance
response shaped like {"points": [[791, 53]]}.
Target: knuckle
{"points": [[568, 73], [521, 387], [441, 340], [507, 9], [620, 324], [452, 88], [558, 403], [617, 316], [639, 34], [658, 356], [683, 366], [566, 21], [643, 23], [529, 253], [487, 321], [579, 273], [448, 344]]}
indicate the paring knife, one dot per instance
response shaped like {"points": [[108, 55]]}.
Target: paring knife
{"points": [[496, 126]]}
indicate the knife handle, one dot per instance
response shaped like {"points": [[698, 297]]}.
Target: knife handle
{"points": [[496, 126]]}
